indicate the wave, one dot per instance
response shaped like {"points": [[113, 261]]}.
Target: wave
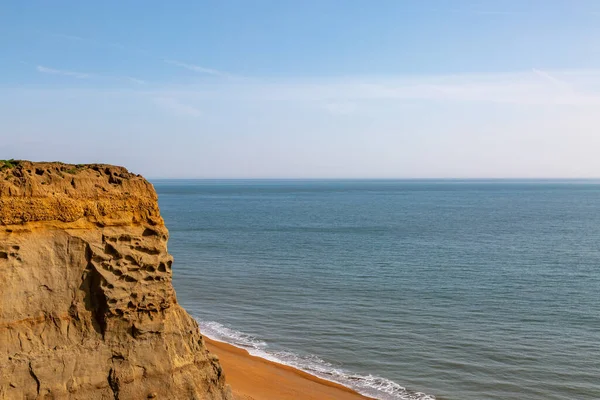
{"points": [[368, 385]]}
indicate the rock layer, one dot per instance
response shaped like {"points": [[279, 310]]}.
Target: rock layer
{"points": [[87, 309]]}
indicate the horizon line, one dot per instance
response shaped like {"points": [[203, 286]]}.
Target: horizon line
{"points": [[375, 178]]}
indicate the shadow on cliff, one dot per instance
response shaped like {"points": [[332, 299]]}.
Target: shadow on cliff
{"points": [[94, 298]]}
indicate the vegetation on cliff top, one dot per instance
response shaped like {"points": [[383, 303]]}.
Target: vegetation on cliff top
{"points": [[8, 163]]}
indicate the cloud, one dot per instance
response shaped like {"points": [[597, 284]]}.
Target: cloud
{"points": [[177, 107], [471, 125], [135, 80], [191, 67], [68, 37], [342, 95], [550, 78], [197, 68], [90, 41], [476, 11], [86, 75], [78, 75], [510, 88]]}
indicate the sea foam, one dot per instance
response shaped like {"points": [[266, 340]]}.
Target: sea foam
{"points": [[368, 385]]}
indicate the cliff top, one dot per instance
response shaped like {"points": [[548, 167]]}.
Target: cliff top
{"points": [[42, 179], [54, 191]]}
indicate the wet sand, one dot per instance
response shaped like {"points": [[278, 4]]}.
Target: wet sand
{"points": [[254, 378]]}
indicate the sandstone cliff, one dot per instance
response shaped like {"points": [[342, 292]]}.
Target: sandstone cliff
{"points": [[87, 309]]}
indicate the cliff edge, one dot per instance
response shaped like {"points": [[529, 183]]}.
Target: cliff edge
{"points": [[87, 309]]}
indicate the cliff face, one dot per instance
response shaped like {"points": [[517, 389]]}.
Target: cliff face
{"points": [[87, 309]]}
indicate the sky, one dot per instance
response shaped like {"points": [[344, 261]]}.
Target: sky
{"points": [[305, 89]]}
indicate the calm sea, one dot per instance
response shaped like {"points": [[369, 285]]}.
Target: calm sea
{"points": [[466, 290]]}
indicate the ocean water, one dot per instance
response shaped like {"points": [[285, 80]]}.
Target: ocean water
{"points": [[466, 290]]}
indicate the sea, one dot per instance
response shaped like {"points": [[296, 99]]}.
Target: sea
{"points": [[399, 289]]}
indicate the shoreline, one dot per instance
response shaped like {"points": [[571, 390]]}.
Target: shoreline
{"points": [[255, 378]]}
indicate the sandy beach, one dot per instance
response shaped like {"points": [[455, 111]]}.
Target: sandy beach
{"points": [[254, 378]]}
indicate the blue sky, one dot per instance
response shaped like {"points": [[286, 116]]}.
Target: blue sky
{"points": [[305, 89]]}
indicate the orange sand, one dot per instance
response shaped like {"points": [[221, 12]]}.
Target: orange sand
{"points": [[253, 378]]}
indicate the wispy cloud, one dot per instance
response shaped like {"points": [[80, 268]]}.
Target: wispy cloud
{"points": [[476, 11], [198, 68], [494, 12], [349, 94], [86, 40], [506, 12], [87, 75], [188, 66], [64, 36], [135, 80], [53, 71], [551, 78], [175, 106], [342, 95]]}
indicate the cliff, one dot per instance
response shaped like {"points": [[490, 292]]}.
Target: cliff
{"points": [[87, 309]]}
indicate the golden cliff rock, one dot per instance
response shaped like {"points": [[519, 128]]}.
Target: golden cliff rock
{"points": [[87, 308]]}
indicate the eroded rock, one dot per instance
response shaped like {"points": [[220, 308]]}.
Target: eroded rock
{"points": [[87, 309]]}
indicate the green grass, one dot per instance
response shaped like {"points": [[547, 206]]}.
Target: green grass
{"points": [[8, 163], [74, 170]]}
